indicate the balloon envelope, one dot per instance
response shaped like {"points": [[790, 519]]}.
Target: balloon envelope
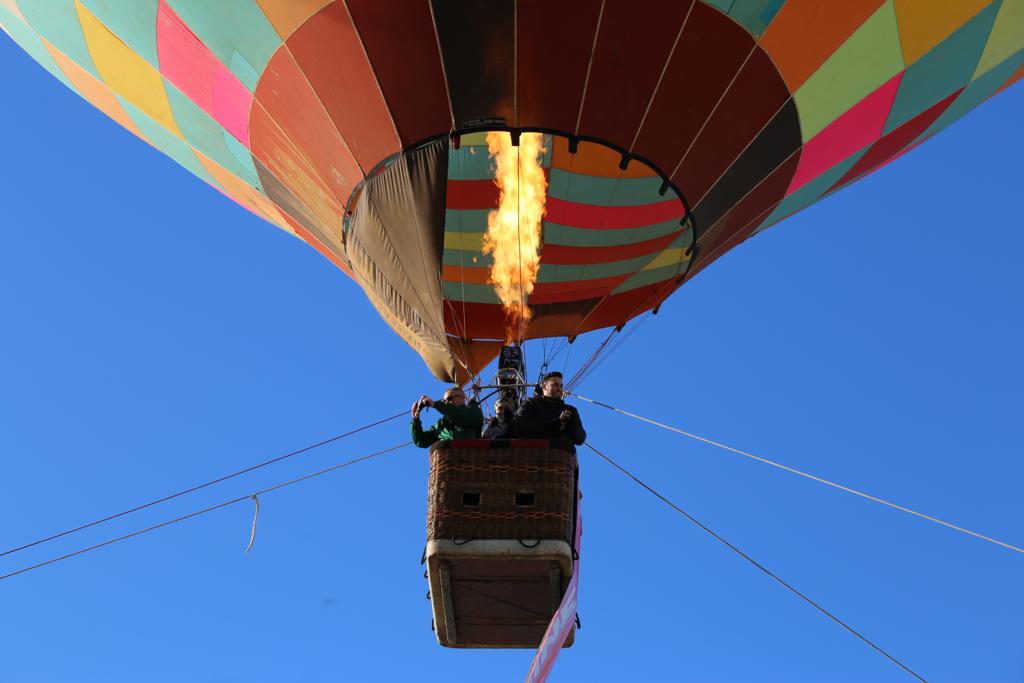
{"points": [[674, 130]]}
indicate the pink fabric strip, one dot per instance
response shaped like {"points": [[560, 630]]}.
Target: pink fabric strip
{"points": [[854, 130], [187, 63], [564, 618]]}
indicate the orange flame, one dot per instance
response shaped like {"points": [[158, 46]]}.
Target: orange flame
{"points": [[514, 229]]}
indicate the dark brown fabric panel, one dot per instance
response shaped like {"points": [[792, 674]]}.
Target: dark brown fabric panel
{"points": [[710, 52], [752, 100], [399, 39], [633, 45], [553, 48], [779, 139], [739, 219], [394, 242], [477, 45]]}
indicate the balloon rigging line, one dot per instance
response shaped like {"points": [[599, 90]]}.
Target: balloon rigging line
{"points": [[588, 365], [622, 339], [757, 564], [190, 515], [199, 486], [604, 353], [807, 475]]}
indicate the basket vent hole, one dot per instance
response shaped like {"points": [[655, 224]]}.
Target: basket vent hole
{"points": [[525, 499], [471, 499]]}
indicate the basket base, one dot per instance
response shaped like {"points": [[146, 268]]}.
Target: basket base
{"points": [[496, 593]]}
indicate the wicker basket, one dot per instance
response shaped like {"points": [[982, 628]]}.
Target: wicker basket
{"points": [[500, 534], [501, 493]]}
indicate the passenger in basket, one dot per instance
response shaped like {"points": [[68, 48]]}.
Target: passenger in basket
{"points": [[548, 417], [458, 420], [500, 426]]}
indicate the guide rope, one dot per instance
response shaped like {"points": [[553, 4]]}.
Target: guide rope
{"points": [[807, 475], [197, 487], [757, 564], [218, 506]]}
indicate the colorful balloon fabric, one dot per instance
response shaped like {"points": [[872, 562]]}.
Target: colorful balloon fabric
{"points": [[674, 129]]}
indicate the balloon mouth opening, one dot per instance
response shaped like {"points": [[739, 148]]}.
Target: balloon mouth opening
{"points": [[593, 236]]}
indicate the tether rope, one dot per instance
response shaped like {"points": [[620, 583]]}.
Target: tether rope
{"points": [[807, 475], [190, 515], [199, 486], [757, 564]]}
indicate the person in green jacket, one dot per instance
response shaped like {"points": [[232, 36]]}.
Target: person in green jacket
{"points": [[458, 420]]}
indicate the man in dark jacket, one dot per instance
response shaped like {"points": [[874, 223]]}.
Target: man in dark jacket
{"points": [[549, 417], [500, 426], [458, 420]]}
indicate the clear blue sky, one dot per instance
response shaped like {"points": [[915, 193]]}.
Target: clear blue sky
{"points": [[155, 335]]}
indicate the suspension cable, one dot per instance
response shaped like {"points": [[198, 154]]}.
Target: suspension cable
{"points": [[190, 515], [807, 475], [757, 564], [197, 487]]}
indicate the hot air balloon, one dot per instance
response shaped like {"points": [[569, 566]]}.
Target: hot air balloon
{"points": [[669, 131], [503, 170]]}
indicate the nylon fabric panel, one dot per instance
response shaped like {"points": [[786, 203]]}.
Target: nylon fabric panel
{"points": [[895, 142], [295, 109], [811, 192], [1006, 38], [858, 127], [754, 99], [551, 73], [612, 217], [710, 52], [94, 91], [399, 39], [554, 292], [979, 90], [167, 142], [291, 181], [585, 237], [925, 23], [596, 160], [196, 72], [328, 51], [477, 47], [775, 144], [868, 58], [312, 228], [31, 42], [806, 32], [556, 254], [945, 69], [57, 21], [475, 354], [288, 15], [616, 309], [126, 73], [753, 15], [759, 200], [11, 7], [244, 194], [237, 32], [597, 190], [133, 22], [1018, 75], [207, 135], [394, 243], [633, 45]]}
